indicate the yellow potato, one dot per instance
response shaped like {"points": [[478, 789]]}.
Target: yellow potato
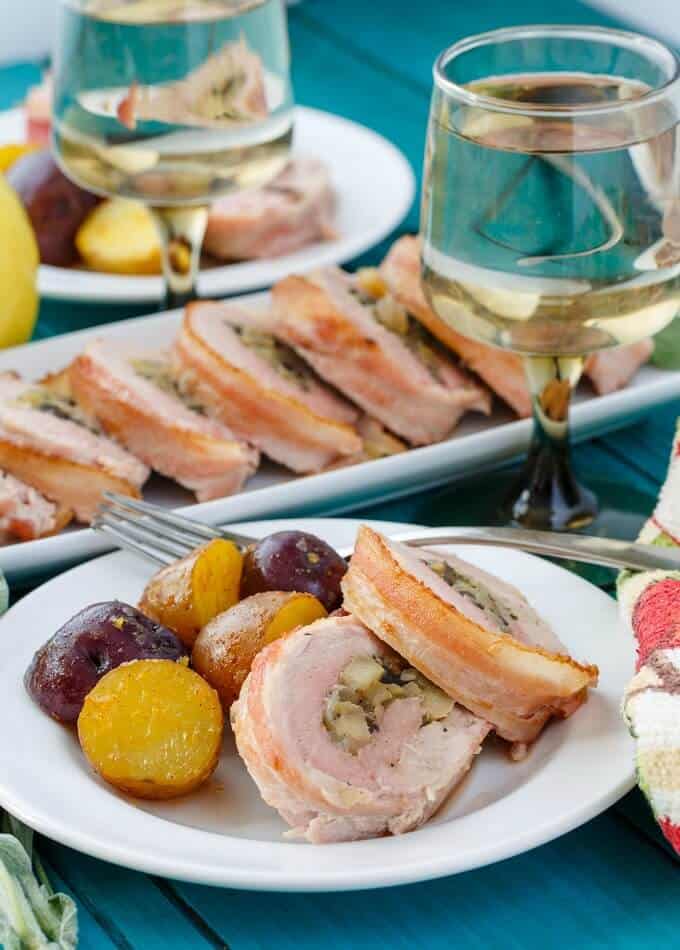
{"points": [[186, 595], [226, 647], [152, 728], [120, 237]]}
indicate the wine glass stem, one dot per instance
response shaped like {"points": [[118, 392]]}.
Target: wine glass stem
{"points": [[181, 233], [548, 495]]}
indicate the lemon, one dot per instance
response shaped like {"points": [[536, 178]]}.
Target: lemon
{"points": [[19, 262], [9, 154]]}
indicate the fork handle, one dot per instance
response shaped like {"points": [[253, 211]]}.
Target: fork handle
{"points": [[587, 549]]}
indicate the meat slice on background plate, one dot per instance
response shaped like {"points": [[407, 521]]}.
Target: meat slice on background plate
{"points": [[226, 358], [472, 634], [25, 514], [503, 372], [38, 111], [294, 209], [227, 88], [373, 353], [135, 398], [609, 370], [367, 746], [48, 443]]}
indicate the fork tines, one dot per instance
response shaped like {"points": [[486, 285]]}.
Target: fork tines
{"points": [[158, 535]]}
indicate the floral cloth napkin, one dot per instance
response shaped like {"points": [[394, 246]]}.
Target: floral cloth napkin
{"points": [[650, 601]]}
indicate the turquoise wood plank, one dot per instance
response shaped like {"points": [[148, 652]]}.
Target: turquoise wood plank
{"points": [[90, 932], [635, 809], [131, 908], [404, 40], [600, 886], [327, 76], [15, 81], [646, 446]]}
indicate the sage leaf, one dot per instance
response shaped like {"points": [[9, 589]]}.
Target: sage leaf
{"points": [[32, 916], [667, 347]]}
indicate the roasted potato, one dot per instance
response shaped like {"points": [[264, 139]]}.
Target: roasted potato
{"points": [[120, 237], [186, 595], [152, 728], [227, 646], [89, 645], [294, 560], [56, 206]]}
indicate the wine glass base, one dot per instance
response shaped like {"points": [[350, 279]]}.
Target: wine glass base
{"points": [[482, 500], [552, 504]]}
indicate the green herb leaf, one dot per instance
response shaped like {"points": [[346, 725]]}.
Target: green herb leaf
{"points": [[667, 347], [32, 916]]}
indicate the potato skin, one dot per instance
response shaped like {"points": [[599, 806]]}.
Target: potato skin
{"points": [[187, 594], [56, 206], [152, 729], [89, 645], [225, 649], [294, 560]]}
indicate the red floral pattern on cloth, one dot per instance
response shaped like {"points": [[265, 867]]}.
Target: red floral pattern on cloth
{"points": [[656, 618], [650, 601]]}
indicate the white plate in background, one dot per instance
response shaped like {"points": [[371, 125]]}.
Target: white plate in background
{"points": [[375, 187], [478, 442]]}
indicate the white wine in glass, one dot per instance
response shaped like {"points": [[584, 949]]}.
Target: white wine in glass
{"points": [[551, 216], [173, 103]]}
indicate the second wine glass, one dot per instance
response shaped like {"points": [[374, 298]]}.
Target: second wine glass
{"points": [[551, 217], [173, 103]]}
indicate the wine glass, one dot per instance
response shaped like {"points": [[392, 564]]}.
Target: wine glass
{"points": [[172, 103], [551, 217]]}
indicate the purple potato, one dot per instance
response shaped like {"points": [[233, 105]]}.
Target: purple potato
{"points": [[94, 641], [294, 561], [56, 206]]}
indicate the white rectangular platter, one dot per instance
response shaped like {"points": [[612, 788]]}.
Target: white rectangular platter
{"points": [[477, 443]]}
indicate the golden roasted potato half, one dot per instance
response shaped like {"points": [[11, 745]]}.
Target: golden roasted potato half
{"points": [[226, 648], [120, 237], [186, 595], [152, 728]]}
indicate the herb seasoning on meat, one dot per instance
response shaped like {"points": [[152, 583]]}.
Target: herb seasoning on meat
{"points": [[473, 591], [280, 357]]}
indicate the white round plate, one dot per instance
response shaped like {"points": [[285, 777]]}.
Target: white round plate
{"points": [[373, 181], [225, 835]]}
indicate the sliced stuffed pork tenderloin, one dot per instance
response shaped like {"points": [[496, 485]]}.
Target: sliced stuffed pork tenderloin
{"points": [[226, 357], [367, 747], [135, 398], [472, 634], [47, 442], [375, 354]]}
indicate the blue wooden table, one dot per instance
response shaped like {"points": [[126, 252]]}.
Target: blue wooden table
{"points": [[612, 883]]}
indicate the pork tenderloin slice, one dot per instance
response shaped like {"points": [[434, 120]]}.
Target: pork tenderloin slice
{"points": [[156, 425], [225, 357], [42, 445], [503, 372], [340, 337], [613, 369], [476, 637], [392, 784], [295, 209], [226, 89], [25, 514]]}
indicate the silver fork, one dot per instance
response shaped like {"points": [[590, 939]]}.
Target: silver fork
{"points": [[161, 536]]}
